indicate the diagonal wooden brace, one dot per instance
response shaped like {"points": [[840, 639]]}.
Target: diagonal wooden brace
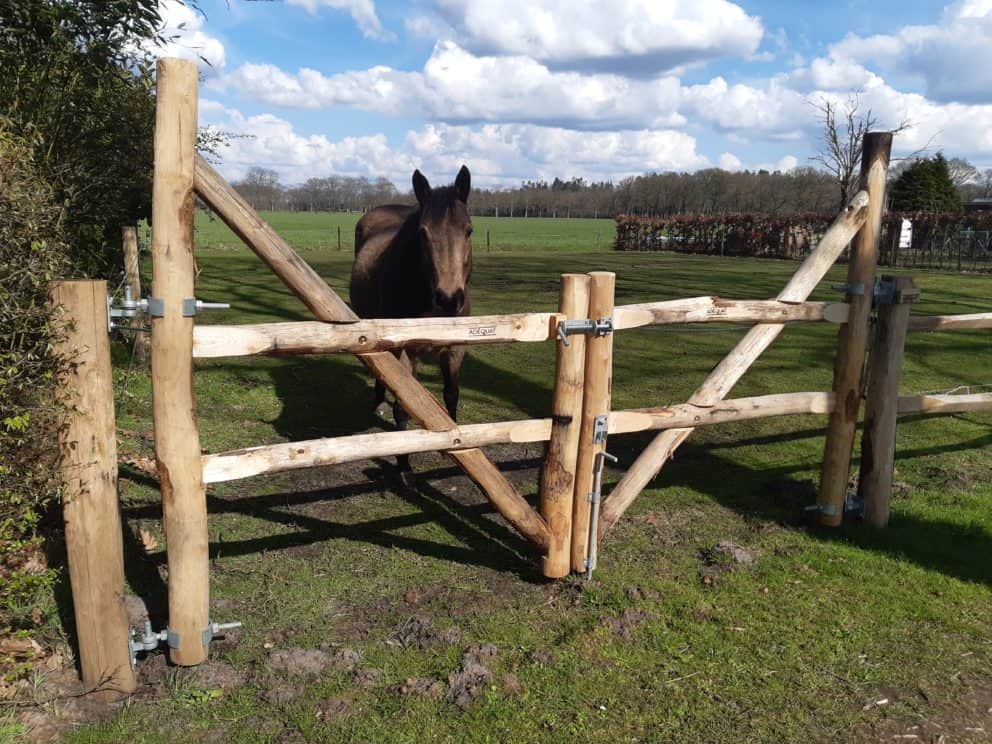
{"points": [[727, 373], [326, 305]]}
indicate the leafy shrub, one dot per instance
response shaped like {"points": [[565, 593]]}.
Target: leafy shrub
{"points": [[32, 254]]}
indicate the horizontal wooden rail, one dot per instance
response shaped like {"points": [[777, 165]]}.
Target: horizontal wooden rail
{"points": [[913, 404], [276, 458], [315, 337], [950, 322], [717, 309]]}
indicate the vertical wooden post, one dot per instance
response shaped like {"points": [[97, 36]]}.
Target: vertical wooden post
{"points": [[89, 505], [878, 445], [595, 402], [853, 336], [558, 474], [177, 437], [132, 274]]}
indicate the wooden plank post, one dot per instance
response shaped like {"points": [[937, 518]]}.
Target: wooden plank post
{"points": [[558, 474], [596, 399], [177, 437], [878, 445], [94, 544], [852, 339], [132, 275]]}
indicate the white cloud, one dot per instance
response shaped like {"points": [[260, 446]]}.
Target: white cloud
{"points": [[361, 11], [635, 37], [952, 59], [182, 26], [730, 162], [775, 111], [497, 154], [456, 86]]}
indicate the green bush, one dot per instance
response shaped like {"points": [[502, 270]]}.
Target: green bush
{"points": [[32, 253]]}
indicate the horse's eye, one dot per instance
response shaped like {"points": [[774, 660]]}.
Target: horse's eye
{"points": [[468, 233], [425, 234]]}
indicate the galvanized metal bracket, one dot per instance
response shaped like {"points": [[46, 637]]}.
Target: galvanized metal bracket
{"points": [[850, 289], [215, 629], [592, 548], [148, 640], [156, 307], [600, 428], [600, 327], [887, 294], [829, 509]]}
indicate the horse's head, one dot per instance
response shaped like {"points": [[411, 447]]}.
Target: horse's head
{"points": [[445, 236]]}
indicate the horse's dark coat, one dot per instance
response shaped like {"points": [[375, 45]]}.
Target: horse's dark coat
{"points": [[413, 262]]}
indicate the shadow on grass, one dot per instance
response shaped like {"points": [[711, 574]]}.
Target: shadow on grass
{"points": [[953, 549], [484, 542]]}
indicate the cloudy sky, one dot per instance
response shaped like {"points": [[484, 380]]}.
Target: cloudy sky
{"points": [[525, 89]]}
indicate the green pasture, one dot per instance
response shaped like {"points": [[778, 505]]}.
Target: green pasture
{"points": [[318, 231], [848, 635]]}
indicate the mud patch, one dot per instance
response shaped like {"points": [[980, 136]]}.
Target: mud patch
{"points": [[544, 657], [280, 694], [625, 625], [369, 678], [419, 633], [468, 684], [308, 662], [421, 687], [218, 675], [332, 708]]}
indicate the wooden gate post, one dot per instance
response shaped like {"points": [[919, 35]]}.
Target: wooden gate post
{"points": [[558, 474], [595, 402], [878, 445], [89, 504], [852, 339], [177, 437], [132, 274]]}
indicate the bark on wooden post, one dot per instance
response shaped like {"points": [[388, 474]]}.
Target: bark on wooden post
{"points": [[89, 506], [878, 445], [177, 437], [132, 274], [595, 402], [558, 474], [853, 336]]}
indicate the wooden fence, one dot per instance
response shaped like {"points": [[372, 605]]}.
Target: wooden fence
{"points": [[570, 520]]}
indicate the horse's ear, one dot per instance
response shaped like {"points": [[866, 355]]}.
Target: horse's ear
{"points": [[463, 183], [421, 187]]}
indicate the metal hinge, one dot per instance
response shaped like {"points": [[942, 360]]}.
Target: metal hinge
{"points": [[600, 428], [850, 289], [600, 327], [887, 294], [592, 548]]}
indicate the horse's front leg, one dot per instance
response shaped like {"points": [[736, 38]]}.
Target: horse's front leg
{"points": [[451, 368], [400, 416]]}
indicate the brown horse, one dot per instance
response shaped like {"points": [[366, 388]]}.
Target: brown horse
{"points": [[413, 262]]}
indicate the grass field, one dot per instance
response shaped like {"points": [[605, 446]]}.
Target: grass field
{"points": [[307, 231], [794, 634]]}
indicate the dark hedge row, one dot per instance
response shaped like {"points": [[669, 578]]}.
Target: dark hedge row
{"points": [[947, 241]]}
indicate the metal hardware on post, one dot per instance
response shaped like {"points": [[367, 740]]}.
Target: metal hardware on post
{"points": [[147, 641], [156, 307], [592, 551], [600, 428], [849, 289], [191, 306], [828, 509], [887, 294], [600, 327], [215, 629], [128, 308]]}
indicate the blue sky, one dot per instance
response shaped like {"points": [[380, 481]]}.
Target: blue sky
{"points": [[524, 89]]}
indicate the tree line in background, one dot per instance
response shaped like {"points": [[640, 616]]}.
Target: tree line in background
{"points": [[708, 191]]}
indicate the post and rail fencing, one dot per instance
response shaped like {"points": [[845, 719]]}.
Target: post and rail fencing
{"points": [[572, 516]]}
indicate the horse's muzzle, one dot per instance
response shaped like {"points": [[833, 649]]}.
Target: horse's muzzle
{"points": [[452, 304]]}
